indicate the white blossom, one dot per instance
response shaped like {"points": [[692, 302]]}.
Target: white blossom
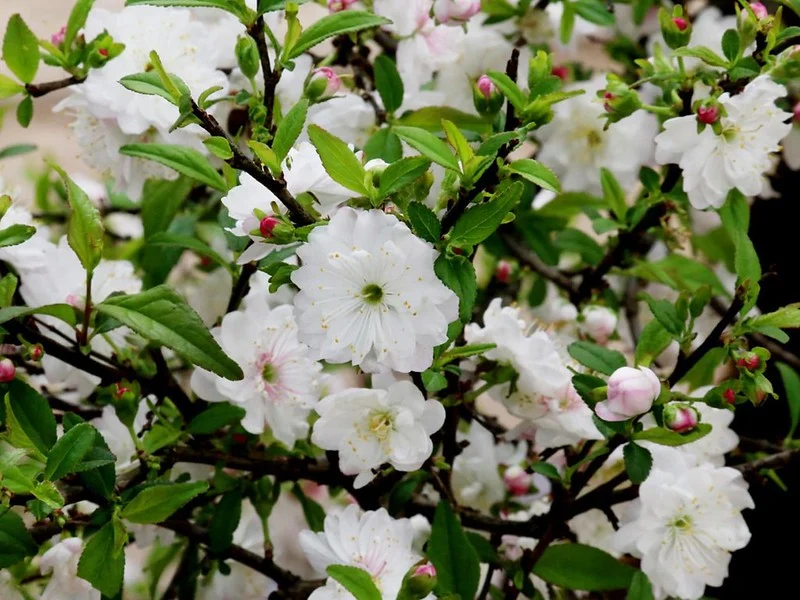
{"points": [[714, 164], [370, 427], [61, 561], [369, 295], [304, 172], [281, 382]]}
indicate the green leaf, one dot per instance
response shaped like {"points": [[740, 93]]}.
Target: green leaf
{"points": [[424, 222], [151, 84], [482, 220], [428, 145], [536, 173], [787, 317], [384, 144], [16, 149], [25, 112], [666, 314], [356, 581], [102, 562], [653, 340], [567, 22], [457, 273], [389, 83], [47, 492], [678, 272], [9, 87], [313, 512], [161, 201], [704, 53], [434, 381], [666, 437], [638, 462], [574, 240], [76, 21], [730, 44], [235, 7], [579, 567], [226, 517], [166, 238], [186, 161], [215, 418], [158, 502], [16, 234], [596, 357], [289, 129], [15, 541], [595, 11], [509, 89], [569, 204], [430, 118], [456, 562], [219, 147], [68, 451], [85, 227], [401, 173], [339, 161], [613, 193], [21, 49], [332, 25], [640, 588], [161, 315], [546, 469], [791, 384], [29, 421]]}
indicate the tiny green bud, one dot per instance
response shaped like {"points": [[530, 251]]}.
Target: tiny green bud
{"points": [[675, 28], [247, 56]]}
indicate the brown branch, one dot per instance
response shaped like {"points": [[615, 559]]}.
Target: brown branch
{"points": [[529, 258], [714, 339], [244, 163], [271, 76], [775, 461], [242, 286], [42, 89]]}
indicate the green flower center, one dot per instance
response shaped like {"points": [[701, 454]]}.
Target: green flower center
{"points": [[683, 522], [268, 373], [372, 293]]}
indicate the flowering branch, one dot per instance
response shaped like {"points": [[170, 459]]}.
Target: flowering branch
{"points": [[271, 76], [37, 90]]}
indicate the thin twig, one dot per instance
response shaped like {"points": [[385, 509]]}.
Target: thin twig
{"points": [[42, 89]]}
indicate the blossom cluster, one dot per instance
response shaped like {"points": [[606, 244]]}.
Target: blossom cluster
{"points": [[389, 299]]}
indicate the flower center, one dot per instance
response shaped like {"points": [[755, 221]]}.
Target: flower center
{"points": [[372, 293], [269, 373], [380, 424], [593, 138], [682, 522]]}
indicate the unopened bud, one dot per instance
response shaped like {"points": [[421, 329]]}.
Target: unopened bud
{"points": [[324, 83], [760, 10], [729, 395], [340, 5], [680, 417], [267, 226], [561, 72], [455, 11], [36, 352], [675, 28], [619, 100], [598, 322], [425, 570], [59, 36], [418, 582], [708, 114], [517, 481], [120, 391], [503, 271], [486, 97], [7, 370], [751, 362], [247, 56]]}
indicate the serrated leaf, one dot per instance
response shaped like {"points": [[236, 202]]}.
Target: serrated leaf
{"points": [[332, 25], [21, 49], [456, 562], [457, 273], [667, 437], [102, 562], [68, 451], [85, 227], [356, 581], [29, 420], [704, 53], [289, 129], [151, 84], [653, 340], [638, 462], [76, 21], [226, 517], [597, 358], [424, 222], [613, 194], [214, 418], [536, 173], [16, 234], [339, 160], [428, 145], [509, 89], [786, 317], [166, 238], [580, 567], [666, 314], [389, 83], [15, 541], [384, 144], [158, 502], [312, 511], [219, 147], [161, 315], [640, 588], [730, 44], [482, 220], [186, 161], [401, 173]]}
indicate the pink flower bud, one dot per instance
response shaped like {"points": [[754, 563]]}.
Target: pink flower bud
{"points": [[37, 352], [680, 417], [561, 72], [760, 10], [323, 84], [426, 570], [517, 481], [708, 114], [486, 87], [749, 363], [608, 97], [266, 226], [340, 5], [58, 37], [455, 10], [680, 23], [103, 52], [120, 390], [729, 395], [598, 322], [7, 370], [503, 271], [631, 392]]}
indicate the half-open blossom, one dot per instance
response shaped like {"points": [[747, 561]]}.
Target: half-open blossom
{"points": [[599, 322], [680, 417]]}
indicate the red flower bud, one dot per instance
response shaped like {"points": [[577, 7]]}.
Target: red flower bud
{"points": [[103, 52], [749, 363], [503, 271], [680, 23], [561, 72], [266, 226], [729, 395], [708, 114], [7, 370]]}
